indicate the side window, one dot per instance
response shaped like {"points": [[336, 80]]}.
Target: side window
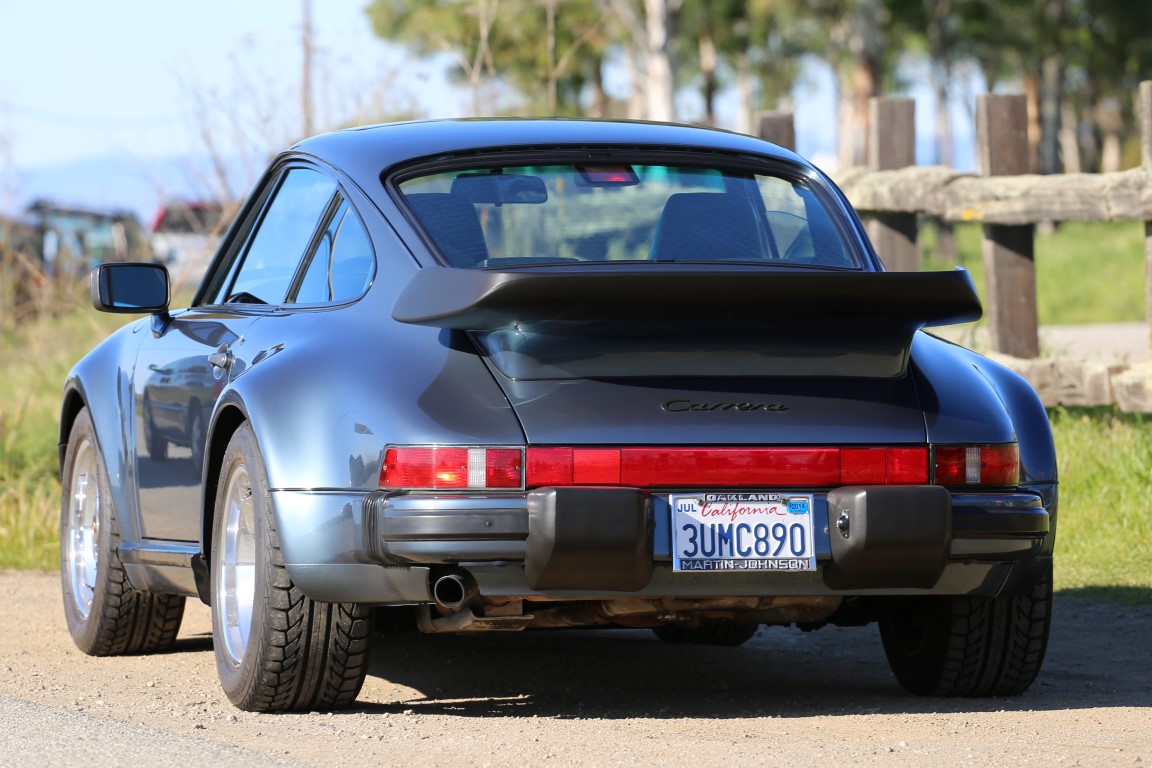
{"points": [[342, 264], [282, 238]]}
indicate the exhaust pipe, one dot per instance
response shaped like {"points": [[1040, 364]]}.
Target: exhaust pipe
{"points": [[452, 591]]}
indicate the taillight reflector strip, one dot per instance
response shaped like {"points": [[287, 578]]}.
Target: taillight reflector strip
{"points": [[725, 467], [483, 468]]}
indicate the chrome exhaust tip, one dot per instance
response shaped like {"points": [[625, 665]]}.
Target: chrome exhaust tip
{"points": [[453, 591]]}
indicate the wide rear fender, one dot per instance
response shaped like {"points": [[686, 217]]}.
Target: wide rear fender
{"points": [[968, 398]]}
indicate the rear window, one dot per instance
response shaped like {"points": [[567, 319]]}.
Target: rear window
{"points": [[503, 216]]}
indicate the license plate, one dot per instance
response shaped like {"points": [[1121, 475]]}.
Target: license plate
{"points": [[742, 532]]}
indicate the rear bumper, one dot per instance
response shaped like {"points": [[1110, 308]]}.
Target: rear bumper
{"points": [[611, 541]]}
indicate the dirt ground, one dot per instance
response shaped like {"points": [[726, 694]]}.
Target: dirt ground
{"points": [[586, 698]]}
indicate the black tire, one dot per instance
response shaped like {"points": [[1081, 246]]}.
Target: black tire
{"points": [[726, 632], [106, 616], [970, 646], [276, 649]]}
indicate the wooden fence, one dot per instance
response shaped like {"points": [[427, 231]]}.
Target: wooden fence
{"points": [[891, 193]]}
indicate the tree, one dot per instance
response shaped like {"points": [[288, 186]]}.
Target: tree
{"points": [[648, 32], [517, 43], [561, 43], [1113, 54], [852, 45], [462, 29]]}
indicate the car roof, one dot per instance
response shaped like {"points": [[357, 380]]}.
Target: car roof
{"points": [[363, 153]]}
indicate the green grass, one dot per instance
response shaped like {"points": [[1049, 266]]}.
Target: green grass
{"points": [[1086, 272], [37, 348], [1104, 541]]}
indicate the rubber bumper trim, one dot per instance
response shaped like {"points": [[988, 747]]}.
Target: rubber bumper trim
{"points": [[589, 538], [423, 528], [888, 536], [984, 522]]}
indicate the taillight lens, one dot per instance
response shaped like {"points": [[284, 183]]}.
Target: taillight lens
{"points": [[672, 467], [976, 464], [449, 468], [466, 468]]}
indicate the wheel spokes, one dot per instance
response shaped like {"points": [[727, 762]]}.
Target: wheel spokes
{"points": [[236, 574], [83, 529]]}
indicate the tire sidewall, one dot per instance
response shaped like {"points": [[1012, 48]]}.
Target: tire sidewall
{"points": [[915, 641], [87, 632], [241, 681]]}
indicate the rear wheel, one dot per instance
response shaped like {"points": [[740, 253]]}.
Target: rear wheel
{"points": [[106, 616], [708, 632], [970, 646], [276, 649]]}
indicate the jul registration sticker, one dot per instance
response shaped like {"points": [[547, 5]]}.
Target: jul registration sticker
{"points": [[742, 532]]}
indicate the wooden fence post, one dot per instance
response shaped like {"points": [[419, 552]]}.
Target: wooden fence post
{"points": [[891, 146], [1144, 106], [778, 128], [1009, 250]]}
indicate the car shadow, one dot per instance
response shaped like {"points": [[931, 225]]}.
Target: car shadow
{"points": [[781, 672], [197, 643], [1120, 595]]}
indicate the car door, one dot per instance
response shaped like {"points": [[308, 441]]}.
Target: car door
{"points": [[182, 369]]}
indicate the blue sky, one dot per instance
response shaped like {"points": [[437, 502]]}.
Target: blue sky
{"points": [[121, 87], [79, 78], [101, 103]]}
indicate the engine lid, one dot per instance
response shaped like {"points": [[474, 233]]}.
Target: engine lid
{"points": [[718, 412]]}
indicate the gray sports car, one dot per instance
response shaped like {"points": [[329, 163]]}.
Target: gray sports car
{"points": [[497, 375]]}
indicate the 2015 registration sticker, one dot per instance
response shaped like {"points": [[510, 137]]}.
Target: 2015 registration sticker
{"points": [[742, 532]]}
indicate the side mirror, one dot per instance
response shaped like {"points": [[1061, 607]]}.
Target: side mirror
{"points": [[130, 288]]}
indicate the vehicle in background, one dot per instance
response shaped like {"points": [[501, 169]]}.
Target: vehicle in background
{"points": [[19, 238], [185, 235], [73, 239]]}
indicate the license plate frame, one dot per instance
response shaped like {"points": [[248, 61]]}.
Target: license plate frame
{"points": [[720, 531]]}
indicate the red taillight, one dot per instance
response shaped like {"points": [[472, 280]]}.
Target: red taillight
{"points": [[549, 466], [444, 468], [725, 467], [907, 466], [976, 464], [729, 467], [464, 468], [504, 467]]}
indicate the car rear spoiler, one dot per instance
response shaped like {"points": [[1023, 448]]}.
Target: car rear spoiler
{"points": [[478, 300]]}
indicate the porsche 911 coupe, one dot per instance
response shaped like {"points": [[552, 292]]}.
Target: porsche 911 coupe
{"points": [[500, 375]]}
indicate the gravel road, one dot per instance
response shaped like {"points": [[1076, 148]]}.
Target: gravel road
{"points": [[586, 698]]}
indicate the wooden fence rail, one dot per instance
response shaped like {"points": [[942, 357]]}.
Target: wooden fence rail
{"points": [[892, 192], [956, 196]]}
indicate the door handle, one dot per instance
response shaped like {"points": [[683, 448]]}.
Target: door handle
{"points": [[222, 358]]}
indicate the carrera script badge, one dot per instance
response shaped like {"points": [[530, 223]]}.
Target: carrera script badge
{"points": [[686, 406]]}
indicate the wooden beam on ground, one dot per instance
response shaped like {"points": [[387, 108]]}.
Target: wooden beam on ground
{"points": [[1009, 259], [892, 145]]}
